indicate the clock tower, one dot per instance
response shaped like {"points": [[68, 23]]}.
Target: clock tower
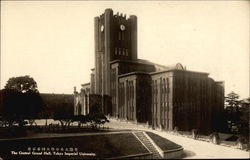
{"points": [[115, 39]]}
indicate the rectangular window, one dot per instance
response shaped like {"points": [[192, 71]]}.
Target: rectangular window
{"points": [[168, 90], [126, 52], [152, 107], [160, 91], [119, 36], [123, 36], [123, 52], [119, 51], [115, 51]]}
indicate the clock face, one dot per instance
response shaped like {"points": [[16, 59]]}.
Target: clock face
{"points": [[122, 27], [102, 28]]}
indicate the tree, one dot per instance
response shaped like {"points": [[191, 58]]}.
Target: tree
{"points": [[64, 118], [232, 101], [21, 100], [22, 84], [10, 109], [81, 119], [96, 116], [244, 119], [98, 119], [232, 105]]}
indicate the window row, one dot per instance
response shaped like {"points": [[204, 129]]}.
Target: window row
{"points": [[160, 89], [121, 51], [121, 36]]}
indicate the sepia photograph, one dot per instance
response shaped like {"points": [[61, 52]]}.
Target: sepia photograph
{"points": [[124, 79]]}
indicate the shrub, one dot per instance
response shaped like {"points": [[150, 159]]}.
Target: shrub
{"points": [[214, 138]]}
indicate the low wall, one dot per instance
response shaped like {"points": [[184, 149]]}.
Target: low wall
{"points": [[173, 154]]}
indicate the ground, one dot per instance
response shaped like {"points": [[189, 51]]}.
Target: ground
{"points": [[194, 149]]}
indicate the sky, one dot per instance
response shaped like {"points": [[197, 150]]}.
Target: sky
{"points": [[53, 41]]}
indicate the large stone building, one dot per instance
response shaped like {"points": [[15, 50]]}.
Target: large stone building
{"points": [[166, 97]]}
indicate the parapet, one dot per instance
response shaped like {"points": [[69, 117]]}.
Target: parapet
{"points": [[108, 10], [117, 15]]}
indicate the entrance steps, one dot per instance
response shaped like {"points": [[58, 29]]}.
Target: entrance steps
{"points": [[144, 139]]}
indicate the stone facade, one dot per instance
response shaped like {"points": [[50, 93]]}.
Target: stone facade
{"points": [[134, 93], [165, 97], [185, 100]]}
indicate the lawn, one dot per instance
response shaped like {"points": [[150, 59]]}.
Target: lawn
{"points": [[102, 145], [163, 143]]}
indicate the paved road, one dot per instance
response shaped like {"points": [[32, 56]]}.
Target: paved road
{"points": [[192, 148]]}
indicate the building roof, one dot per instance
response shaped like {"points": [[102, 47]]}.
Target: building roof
{"points": [[246, 101], [130, 61], [85, 84], [158, 67], [161, 68], [177, 69], [133, 73]]}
